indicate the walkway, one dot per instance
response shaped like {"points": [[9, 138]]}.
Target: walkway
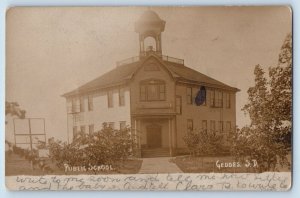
{"points": [[159, 165]]}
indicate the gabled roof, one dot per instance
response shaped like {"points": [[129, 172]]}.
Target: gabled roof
{"points": [[123, 74], [118, 75], [188, 75]]}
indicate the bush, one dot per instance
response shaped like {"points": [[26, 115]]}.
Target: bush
{"points": [[201, 143], [106, 147]]}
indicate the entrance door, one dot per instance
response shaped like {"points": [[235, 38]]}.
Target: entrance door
{"points": [[154, 136]]}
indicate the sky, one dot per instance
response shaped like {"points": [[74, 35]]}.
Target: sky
{"points": [[51, 51]]}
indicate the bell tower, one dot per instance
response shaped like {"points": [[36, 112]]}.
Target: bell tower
{"points": [[150, 25]]}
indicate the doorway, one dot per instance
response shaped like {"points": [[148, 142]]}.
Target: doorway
{"points": [[153, 136]]}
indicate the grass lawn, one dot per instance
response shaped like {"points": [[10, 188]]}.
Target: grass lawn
{"points": [[208, 165], [15, 165]]}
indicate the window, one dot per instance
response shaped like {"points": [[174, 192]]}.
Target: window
{"points": [[227, 100], [162, 92], [204, 103], [110, 99], [189, 95], [212, 98], [75, 132], [121, 97], [111, 125], [228, 126], [178, 104], [212, 126], [204, 126], [189, 125], [91, 129], [75, 106], [122, 125], [152, 90], [216, 98], [143, 93], [221, 129], [90, 103], [82, 129], [81, 104]]}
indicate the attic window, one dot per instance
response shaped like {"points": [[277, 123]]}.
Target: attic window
{"points": [[151, 67]]}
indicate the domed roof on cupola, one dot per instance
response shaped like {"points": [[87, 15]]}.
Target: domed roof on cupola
{"points": [[149, 15], [149, 23]]}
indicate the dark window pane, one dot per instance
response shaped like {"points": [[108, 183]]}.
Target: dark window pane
{"points": [[143, 93], [152, 92]]}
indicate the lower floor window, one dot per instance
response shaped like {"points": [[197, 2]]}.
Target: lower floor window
{"points": [[122, 125], [111, 125], [75, 132], [228, 126], [190, 125], [82, 129], [213, 126], [204, 126], [91, 129], [221, 129]]}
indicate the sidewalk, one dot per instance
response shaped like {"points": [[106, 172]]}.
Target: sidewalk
{"points": [[159, 165]]}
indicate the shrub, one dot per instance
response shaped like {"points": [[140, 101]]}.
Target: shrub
{"points": [[105, 147], [201, 143]]}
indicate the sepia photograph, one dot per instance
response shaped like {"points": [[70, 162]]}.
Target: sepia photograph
{"points": [[149, 98]]}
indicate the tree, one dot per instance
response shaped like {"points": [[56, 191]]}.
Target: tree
{"points": [[270, 109], [13, 108], [281, 93]]}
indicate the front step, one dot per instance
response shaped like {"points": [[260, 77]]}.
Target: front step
{"points": [[155, 152]]}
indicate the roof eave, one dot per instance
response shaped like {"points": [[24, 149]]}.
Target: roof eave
{"points": [[80, 92], [183, 80]]}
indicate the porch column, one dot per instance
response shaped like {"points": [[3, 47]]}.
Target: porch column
{"points": [[137, 136], [170, 137], [139, 130], [135, 131]]}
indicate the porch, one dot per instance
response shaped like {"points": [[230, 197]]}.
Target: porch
{"points": [[155, 136]]}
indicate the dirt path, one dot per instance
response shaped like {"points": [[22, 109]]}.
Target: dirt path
{"points": [[159, 165]]}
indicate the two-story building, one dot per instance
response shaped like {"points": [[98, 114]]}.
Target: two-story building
{"points": [[154, 94]]}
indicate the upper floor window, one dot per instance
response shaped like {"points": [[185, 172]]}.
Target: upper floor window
{"points": [[81, 104], [110, 101], [227, 100], [75, 108], [189, 95], [90, 103], [153, 90], [178, 105], [121, 97], [216, 98]]}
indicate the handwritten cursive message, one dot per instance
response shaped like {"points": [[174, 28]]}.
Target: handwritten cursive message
{"points": [[269, 181]]}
